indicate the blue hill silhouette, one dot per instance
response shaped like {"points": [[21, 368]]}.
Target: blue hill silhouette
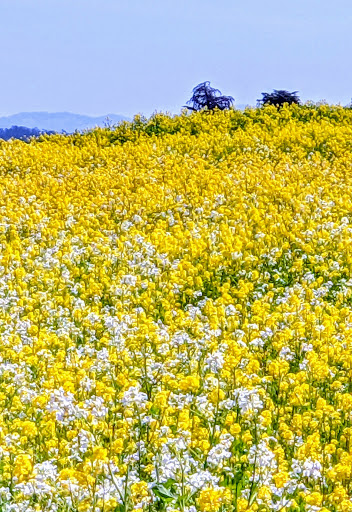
{"points": [[58, 121]]}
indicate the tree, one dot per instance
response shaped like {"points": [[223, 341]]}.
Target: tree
{"points": [[205, 96], [278, 98]]}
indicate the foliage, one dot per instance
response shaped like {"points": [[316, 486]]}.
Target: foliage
{"points": [[205, 96], [279, 98]]}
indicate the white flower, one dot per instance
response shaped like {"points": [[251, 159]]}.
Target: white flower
{"points": [[312, 469], [221, 451], [248, 400], [261, 456], [129, 279], [62, 403], [200, 479], [287, 354], [169, 465], [133, 396], [257, 342], [125, 225], [215, 361], [93, 318], [79, 303], [218, 454], [230, 310], [96, 407]]}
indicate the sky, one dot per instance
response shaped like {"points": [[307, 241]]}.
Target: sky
{"points": [[141, 56]]}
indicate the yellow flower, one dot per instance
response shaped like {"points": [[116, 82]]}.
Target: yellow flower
{"points": [[29, 428], [280, 479], [314, 499], [189, 384], [140, 493], [264, 493], [23, 467], [210, 499], [235, 429], [99, 453], [176, 290]]}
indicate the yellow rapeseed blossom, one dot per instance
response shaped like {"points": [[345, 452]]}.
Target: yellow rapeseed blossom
{"points": [[210, 499], [175, 315]]}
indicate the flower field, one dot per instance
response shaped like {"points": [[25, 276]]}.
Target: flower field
{"points": [[176, 315]]}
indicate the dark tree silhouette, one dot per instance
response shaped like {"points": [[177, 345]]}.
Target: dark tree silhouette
{"points": [[278, 98], [205, 96]]}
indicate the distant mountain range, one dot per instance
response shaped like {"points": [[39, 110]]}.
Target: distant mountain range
{"points": [[62, 121], [58, 121]]}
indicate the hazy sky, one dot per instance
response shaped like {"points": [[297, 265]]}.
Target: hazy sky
{"points": [[137, 56]]}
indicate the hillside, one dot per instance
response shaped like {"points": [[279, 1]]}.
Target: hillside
{"points": [[175, 315], [58, 121]]}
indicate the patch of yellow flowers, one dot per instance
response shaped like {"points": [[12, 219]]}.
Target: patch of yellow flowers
{"points": [[175, 315]]}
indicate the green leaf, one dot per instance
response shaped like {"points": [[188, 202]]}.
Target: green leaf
{"points": [[252, 498], [163, 493]]}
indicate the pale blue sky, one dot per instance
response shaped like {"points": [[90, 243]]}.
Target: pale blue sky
{"points": [[137, 56]]}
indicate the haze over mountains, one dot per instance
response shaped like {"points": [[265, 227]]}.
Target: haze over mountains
{"points": [[59, 121], [64, 121]]}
